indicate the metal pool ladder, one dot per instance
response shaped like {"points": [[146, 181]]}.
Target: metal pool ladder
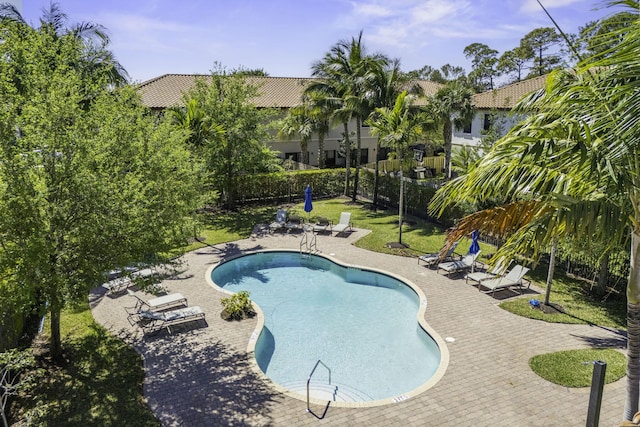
{"points": [[308, 244], [319, 362]]}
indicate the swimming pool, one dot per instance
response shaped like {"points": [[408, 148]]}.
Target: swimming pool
{"points": [[364, 325]]}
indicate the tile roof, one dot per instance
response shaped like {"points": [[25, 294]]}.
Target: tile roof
{"points": [[279, 92], [506, 97]]}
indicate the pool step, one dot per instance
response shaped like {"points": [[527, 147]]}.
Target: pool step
{"points": [[332, 392]]}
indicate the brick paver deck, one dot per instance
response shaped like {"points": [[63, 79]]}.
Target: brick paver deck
{"points": [[201, 376]]}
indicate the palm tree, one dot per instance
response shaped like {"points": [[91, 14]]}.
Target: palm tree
{"points": [[388, 83], [97, 58], [349, 70], [570, 169], [451, 105], [328, 91], [320, 111], [299, 121], [397, 128]]}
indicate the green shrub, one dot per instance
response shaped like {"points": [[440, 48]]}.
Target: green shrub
{"points": [[237, 307]]}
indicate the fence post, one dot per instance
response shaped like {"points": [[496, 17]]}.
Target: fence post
{"points": [[595, 398]]}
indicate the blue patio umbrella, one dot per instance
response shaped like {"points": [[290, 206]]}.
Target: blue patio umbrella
{"points": [[308, 206], [475, 247]]}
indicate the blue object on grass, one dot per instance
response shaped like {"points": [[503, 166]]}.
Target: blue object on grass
{"points": [[308, 206], [475, 246]]}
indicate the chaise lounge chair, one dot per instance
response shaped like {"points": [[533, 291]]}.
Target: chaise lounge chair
{"points": [[466, 263], [294, 223], [281, 220], [117, 285], [322, 225], [154, 304], [496, 271], [514, 277], [153, 322], [344, 224], [432, 258]]}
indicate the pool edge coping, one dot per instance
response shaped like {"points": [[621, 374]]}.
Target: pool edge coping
{"points": [[440, 342]]}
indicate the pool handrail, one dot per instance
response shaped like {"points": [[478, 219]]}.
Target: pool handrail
{"points": [[319, 362]]}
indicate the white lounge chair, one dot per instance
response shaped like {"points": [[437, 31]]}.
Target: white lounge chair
{"points": [[117, 285], [344, 224], [515, 277], [466, 263], [281, 220], [496, 271], [154, 304], [433, 258], [152, 322]]}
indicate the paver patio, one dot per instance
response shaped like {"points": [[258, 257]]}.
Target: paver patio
{"points": [[201, 376]]}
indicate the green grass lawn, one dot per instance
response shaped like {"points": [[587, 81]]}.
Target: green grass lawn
{"points": [[576, 303], [99, 384], [89, 391], [572, 368]]}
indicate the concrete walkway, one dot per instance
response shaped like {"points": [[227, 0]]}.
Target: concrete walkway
{"points": [[201, 376]]}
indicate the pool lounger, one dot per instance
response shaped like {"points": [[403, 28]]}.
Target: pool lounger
{"points": [[152, 322], [154, 304], [118, 285], [513, 278]]}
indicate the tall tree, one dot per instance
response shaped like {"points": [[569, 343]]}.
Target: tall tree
{"points": [[387, 85], [96, 57], [513, 62], [351, 68], [484, 63], [90, 182], [440, 75], [227, 100], [329, 92], [591, 40], [319, 109], [570, 169], [451, 106], [299, 121], [540, 41], [398, 128]]}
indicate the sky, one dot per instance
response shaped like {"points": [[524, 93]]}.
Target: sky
{"points": [[285, 37]]}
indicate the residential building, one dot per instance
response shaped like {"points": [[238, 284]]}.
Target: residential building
{"points": [[280, 93], [494, 106]]}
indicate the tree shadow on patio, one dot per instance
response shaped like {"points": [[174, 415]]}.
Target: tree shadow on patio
{"points": [[189, 382]]}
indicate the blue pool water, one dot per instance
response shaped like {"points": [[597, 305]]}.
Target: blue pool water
{"points": [[361, 324]]}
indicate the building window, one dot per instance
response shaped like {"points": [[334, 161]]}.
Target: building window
{"points": [[292, 156], [330, 158], [364, 156], [488, 119], [466, 128]]}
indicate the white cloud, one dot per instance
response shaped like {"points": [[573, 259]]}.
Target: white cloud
{"points": [[368, 10], [529, 6], [405, 22]]}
